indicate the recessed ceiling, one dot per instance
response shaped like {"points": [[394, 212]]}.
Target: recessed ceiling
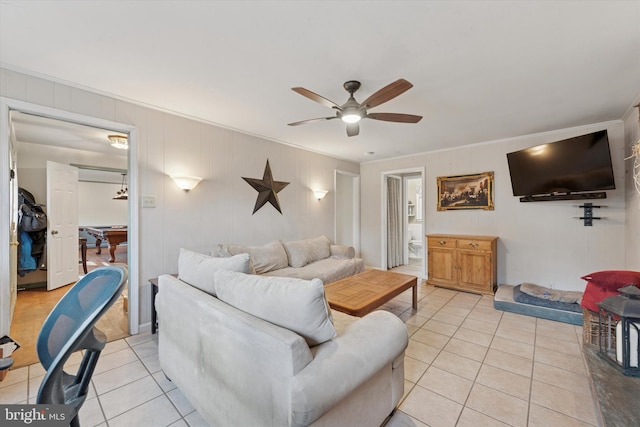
{"points": [[481, 70]]}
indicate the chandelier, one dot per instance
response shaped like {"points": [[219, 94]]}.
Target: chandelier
{"points": [[123, 193]]}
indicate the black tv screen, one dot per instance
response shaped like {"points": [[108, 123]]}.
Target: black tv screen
{"points": [[572, 165]]}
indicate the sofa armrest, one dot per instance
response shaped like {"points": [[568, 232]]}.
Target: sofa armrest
{"points": [[343, 364], [342, 251]]}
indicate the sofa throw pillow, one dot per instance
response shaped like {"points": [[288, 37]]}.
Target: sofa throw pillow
{"points": [[302, 252], [268, 257], [198, 269], [295, 304], [605, 284], [342, 251]]}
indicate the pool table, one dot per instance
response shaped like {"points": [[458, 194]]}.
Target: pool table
{"points": [[113, 235]]}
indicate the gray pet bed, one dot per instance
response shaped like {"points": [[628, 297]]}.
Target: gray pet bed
{"points": [[503, 300]]}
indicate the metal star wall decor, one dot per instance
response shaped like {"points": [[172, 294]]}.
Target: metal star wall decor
{"points": [[267, 189]]}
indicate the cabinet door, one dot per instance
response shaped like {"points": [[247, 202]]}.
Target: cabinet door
{"points": [[475, 270], [442, 266]]}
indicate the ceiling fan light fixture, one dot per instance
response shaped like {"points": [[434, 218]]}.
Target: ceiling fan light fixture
{"points": [[352, 111], [351, 117], [119, 141]]}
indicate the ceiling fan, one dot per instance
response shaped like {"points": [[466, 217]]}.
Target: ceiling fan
{"points": [[351, 111]]}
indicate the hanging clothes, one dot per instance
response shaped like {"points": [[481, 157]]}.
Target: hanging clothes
{"points": [[33, 222], [26, 261]]}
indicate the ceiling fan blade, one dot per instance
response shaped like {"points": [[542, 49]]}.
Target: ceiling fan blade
{"points": [[353, 129], [387, 93], [394, 117], [315, 97], [304, 122]]}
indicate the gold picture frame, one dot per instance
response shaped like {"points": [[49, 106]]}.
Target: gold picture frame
{"points": [[466, 192]]}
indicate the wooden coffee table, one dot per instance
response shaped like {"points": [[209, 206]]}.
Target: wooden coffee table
{"points": [[362, 293]]}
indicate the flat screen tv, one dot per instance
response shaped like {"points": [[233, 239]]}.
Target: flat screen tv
{"points": [[573, 165]]}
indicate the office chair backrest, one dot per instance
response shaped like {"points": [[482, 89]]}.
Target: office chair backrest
{"points": [[69, 328]]}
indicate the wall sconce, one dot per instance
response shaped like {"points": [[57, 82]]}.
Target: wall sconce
{"points": [[319, 193], [186, 182], [119, 141]]}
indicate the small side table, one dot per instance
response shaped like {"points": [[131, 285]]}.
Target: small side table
{"points": [[154, 292], [154, 315]]}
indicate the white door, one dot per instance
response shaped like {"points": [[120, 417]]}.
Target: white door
{"points": [[62, 227]]}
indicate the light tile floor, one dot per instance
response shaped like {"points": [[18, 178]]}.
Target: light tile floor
{"points": [[466, 365]]}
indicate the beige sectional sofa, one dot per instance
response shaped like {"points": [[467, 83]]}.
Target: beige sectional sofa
{"points": [[251, 350], [303, 259]]}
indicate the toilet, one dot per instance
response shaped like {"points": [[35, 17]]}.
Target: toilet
{"points": [[415, 241]]}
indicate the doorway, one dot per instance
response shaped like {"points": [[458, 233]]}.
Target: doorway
{"points": [[403, 222], [74, 197], [7, 289], [413, 242]]}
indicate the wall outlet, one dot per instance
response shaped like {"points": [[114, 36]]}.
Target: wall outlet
{"points": [[148, 201]]}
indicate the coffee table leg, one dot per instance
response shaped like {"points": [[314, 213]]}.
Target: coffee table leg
{"points": [[415, 296]]}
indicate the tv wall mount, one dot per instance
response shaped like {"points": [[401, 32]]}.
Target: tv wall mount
{"points": [[588, 214], [564, 196]]}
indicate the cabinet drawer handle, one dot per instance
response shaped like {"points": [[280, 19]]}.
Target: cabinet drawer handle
{"points": [[442, 242], [474, 245]]}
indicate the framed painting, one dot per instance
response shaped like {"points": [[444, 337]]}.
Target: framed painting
{"points": [[466, 192]]}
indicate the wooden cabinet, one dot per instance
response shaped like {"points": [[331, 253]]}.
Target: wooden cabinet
{"points": [[466, 263]]}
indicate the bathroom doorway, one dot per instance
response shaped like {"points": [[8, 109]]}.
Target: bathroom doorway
{"points": [[414, 252], [403, 232]]}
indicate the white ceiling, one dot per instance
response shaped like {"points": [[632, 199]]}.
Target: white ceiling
{"points": [[482, 70], [41, 130], [34, 134]]}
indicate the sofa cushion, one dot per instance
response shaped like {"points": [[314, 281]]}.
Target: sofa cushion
{"points": [[268, 257], [198, 269], [294, 304], [328, 270], [302, 252]]}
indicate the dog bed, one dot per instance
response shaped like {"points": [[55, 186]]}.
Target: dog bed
{"points": [[542, 308]]}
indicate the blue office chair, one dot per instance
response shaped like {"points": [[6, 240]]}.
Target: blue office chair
{"points": [[71, 327]]}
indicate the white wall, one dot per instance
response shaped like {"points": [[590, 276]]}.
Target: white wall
{"points": [[540, 242], [220, 208], [345, 194], [97, 207], [632, 222]]}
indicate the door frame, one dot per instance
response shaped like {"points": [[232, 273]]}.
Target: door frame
{"points": [[383, 213], [6, 106]]}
